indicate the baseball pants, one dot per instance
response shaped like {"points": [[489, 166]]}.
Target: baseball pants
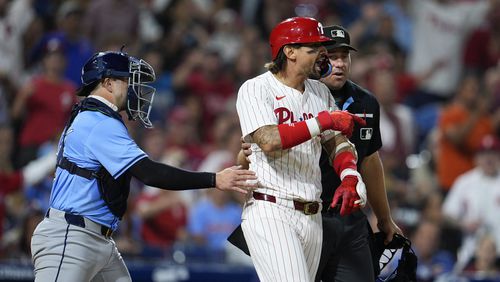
{"points": [[284, 243], [345, 255], [66, 252]]}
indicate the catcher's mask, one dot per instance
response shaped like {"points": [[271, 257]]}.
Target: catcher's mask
{"points": [[121, 65], [382, 254]]}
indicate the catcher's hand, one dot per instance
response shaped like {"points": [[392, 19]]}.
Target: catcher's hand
{"points": [[236, 179]]}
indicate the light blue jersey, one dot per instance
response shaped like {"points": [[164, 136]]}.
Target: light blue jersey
{"points": [[214, 223], [94, 139]]}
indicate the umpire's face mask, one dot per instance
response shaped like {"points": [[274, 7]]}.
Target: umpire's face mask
{"points": [[140, 95]]}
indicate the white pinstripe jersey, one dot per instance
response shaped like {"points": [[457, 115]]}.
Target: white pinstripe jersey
{"points": [[264, 100]]}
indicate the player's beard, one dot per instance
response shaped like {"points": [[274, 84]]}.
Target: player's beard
{"points": [[315, 71]]}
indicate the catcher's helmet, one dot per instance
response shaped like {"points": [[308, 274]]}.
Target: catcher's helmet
{"points": [[296, 30], [383, 254], [121, 65]]}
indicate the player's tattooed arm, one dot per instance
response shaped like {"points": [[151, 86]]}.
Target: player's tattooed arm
{"points": [[337, 145], [268, 138]]}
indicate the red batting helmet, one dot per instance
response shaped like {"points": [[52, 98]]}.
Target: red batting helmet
{"points": [[296, 30]]}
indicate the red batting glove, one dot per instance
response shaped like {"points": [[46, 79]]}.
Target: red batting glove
{"points": [[347, 192], [344, 121]]}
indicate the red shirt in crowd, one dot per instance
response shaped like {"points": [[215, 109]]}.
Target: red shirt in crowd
{"points": [[162, 229], [48, 109]]}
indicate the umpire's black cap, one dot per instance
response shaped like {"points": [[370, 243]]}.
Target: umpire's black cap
{"points": [[340, 35]]}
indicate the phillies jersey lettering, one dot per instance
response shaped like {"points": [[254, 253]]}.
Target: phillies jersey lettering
{"points": [[284, 115], [293, 173]]}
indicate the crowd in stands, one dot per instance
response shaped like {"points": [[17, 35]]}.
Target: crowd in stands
{"points": [[432, 64]]}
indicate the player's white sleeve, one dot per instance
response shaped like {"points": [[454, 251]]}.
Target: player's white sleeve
{"points": [[254, 107]]}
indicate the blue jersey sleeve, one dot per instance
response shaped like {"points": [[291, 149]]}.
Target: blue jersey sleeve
{"points": [[112, 146]]}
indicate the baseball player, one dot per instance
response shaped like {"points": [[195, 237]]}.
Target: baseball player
{"points": [[345, 253], [285, 117], [95, 162]]}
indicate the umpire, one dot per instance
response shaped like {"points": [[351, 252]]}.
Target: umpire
{"points": [[95, 163], [345, 254]]}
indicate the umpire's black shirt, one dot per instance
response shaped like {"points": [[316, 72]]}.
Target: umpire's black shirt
{"points": [[356, 100]]}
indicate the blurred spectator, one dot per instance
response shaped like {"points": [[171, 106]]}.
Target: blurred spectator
{"points": [[440, 29], [396, 124], [77, 49], [473, 203], [212, 220], [31, 220], [163, 213], [399, 11], [352, 10], [375, 30], [15, 18], [492, 85], [204, 76], [227, 143], [12, 180], [43, 104], [432, 261], [462, 125], [123, 24], [273, 12], [251, 56], [226, 37], [38, 186], [150, 30], [483, 265], [183, 147], [4, 106], [165, 95], [482, 49], [184, 30]]}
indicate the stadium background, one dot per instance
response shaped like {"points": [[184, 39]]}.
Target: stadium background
{"points": [[417, 57]]}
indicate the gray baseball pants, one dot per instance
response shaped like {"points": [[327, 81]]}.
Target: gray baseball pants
{"points": [[66, 252]]}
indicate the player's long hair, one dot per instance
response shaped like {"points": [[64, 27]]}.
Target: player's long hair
{"points": [[279, 63]]}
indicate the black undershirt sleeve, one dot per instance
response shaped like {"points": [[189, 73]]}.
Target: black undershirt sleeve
{"points": [[168, 177]]}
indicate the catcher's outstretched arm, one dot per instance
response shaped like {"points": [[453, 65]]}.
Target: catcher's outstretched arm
{"points": [[170, 178]]}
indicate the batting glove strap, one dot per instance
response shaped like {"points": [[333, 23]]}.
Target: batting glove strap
{"points": [[360, 186]]}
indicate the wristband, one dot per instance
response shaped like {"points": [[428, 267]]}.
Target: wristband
{"points": [[351, 172], [213, 180], [313, 127], [293, 134]]}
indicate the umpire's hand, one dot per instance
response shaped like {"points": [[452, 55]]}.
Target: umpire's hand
{"points": [[235, 179]]}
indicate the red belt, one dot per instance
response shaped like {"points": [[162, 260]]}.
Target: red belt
{"points": [[307, 208]]}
